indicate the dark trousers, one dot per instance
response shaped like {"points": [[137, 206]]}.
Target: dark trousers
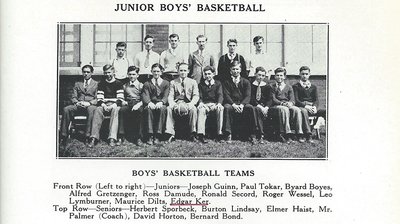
{"points": [[130, 122], [69, 113], [260, 120], [242, 124], [154, 120]]}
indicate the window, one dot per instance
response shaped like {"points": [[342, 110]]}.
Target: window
{"points": [[106, 36], [69, 45]]}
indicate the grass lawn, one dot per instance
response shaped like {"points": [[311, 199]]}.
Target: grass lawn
{"points": [[185, 149]]}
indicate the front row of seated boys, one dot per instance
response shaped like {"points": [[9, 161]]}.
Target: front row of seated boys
{"points": [[148, 111]]}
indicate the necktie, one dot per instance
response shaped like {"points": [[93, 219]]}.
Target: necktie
{"points": [[147, 61], [183, 87], [279, 87], [157, 87], [258, 94], [85, 85]]}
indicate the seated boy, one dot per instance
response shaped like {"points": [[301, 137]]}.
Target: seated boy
{"points": [[306, 98], [211, 99], [238, 112], [109, 95], [283, 101], [130, 114], [261, 99], [155, 99]]}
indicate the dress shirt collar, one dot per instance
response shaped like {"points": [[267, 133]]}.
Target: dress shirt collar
{"points": [[231, 56], [136, 83], [236, 80], [282, 86], [262, 83], [212, 82], [87, 81], [306, 84], [159, 81], [123, 58]]}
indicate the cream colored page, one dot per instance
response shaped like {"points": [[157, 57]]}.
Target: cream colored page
{"points": [[362, 165]]}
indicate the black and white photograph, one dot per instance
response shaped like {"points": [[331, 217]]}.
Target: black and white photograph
{"points": [[192, 90]]}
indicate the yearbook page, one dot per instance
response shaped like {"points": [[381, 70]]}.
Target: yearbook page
{"points": [[199, 112]]}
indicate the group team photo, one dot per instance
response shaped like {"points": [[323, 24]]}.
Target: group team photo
{"points": [[192, 90]]}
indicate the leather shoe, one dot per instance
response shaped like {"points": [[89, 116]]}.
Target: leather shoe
{"points": [[119, 142], [112, 142], [202, 139], [229, 139], [149, 141], [281, 138], [92, 142], [138, 142], [171, 138], [156, 141]]}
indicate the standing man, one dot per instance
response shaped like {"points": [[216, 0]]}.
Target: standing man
{"points": [[238, 111], [120, 63], [211, 99], [109, 94], [155, 100], [306, 98], [145, 59], [182, 98], [130, 114], [199, 59], [170, 58], [84, 100], [258, 59], [226, 61]]}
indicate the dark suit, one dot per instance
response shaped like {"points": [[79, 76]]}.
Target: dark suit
{"points": [[239, 94], [155, 119], [224, 67], [265, 100], [80, 93]]}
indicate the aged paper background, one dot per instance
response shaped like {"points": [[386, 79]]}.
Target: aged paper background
{"points": [[363, 149]]}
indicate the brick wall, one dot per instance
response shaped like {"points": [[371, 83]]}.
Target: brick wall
{"points": [[160, 34]]}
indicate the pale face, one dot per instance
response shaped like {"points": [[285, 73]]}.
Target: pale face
{"points": [[120, 51], [132, 75], [260, 76], [174, 42], [148, 43], [201, 42], [109, 74], [280, 77], [232, 47], [183, 71], [156, 71], [208, 75], [235, 70], [87, 74], [259, 44], [304, 75]]}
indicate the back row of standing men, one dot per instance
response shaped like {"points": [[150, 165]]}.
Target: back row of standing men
{"points": [[237, 102]]}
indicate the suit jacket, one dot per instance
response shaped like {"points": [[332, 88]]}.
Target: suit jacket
{"points": [[266, 95], [81, 94], [190, 90], [305, 96], [280, 96], [150, 93], [224, 67], [238, 95], [197, 63]]}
